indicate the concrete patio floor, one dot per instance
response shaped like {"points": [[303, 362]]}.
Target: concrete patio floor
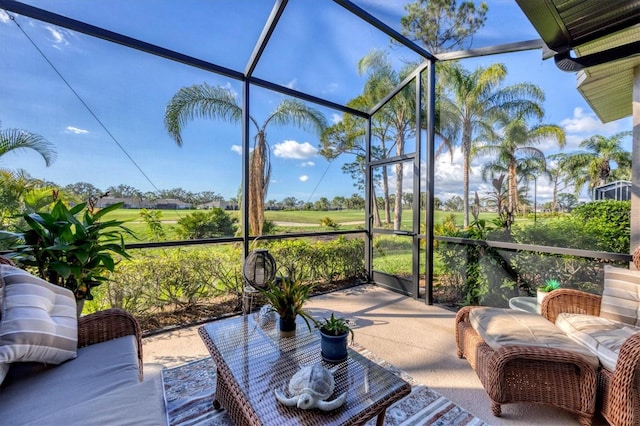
{"points": [[413, 336]]}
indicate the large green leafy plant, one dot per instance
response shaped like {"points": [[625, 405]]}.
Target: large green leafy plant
{"points": [[71, 247]]}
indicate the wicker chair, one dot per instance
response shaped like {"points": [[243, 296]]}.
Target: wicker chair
{"points": [[530, 374], [108, 325], [618, 394]]}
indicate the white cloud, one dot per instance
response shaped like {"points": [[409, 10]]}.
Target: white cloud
{"points": [[294, 150], [77, 131], [448, 176], [587, 122], [59, 36], [4, 17], [336, 118], [292, 84], [229, 87], [307, 164], [303, 178], [237, 149], [332, 88]]}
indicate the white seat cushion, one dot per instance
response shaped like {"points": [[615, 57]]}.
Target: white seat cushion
{"points": [[507, 327], [621, 295], [602, 336], [99, 369]]}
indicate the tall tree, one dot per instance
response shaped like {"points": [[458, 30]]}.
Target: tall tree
{"points": [[557, 176], [477, 99], [513, 143], [442, 25], [204, 101], [83, 190], [396, 118], [16, 139], [592, 165]]}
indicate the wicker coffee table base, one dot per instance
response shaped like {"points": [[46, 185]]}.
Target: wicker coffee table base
{"points": [[528, 374]]}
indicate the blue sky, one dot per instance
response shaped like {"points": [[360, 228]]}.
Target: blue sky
{"points": [[315, 49]]}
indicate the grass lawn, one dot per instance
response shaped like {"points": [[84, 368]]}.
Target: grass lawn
{"points": [[287, 221]]}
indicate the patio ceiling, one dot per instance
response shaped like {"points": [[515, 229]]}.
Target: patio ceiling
{"points": [[604, 35]]}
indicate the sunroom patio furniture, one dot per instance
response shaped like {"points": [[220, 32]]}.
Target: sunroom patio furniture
{"points": [[521, 357], [98, 381], [608, 324]]}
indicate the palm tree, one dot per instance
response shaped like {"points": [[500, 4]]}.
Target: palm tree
{"points": [[16, 139], [557, 176], [204, 101], [395, 121], [514, 144], [21, 193], [593, 165], [475, 100]]}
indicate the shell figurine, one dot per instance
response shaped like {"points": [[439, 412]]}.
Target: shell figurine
{"points": [[310, 387]]}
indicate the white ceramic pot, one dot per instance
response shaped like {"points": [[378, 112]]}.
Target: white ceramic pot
{"points": [[540, 296]]}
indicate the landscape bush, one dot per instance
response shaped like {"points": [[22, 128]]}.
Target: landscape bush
{"points": [[172, 279], [326, 261], [165, 280], [489, 276], [206, 224]]}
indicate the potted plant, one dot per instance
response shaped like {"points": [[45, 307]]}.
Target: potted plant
{"points": [[549, 286], [71, 247], [334, 333], [287, 296]]}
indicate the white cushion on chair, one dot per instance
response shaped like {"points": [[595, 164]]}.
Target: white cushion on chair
{"points": [[507, 327], [602, 336], [621, 295]]}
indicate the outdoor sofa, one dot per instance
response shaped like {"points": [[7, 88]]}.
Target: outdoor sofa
{"points": [[582, 354], [609, 325], [58, 373]]}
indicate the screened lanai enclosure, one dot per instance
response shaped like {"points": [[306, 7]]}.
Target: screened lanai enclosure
{"points": [[357, 140]]}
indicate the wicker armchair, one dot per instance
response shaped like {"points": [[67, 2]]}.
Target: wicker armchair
{"points": [[619, 391], [532, 374], [108, 325]]}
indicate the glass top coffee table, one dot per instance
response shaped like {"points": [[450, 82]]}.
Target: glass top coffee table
{"points": [[252, 360]]}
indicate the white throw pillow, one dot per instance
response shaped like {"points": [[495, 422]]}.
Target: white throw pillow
{"points": [[38, 320]]}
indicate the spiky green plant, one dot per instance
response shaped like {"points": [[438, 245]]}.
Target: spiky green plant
{"points": [[335, 326], [550, 285], [287, 297]]}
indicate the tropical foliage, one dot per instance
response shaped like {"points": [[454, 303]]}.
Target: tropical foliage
{"points": [[16, 139], [472, 101], [593, 165], [71, 247], [512, 148], [216, 102]]}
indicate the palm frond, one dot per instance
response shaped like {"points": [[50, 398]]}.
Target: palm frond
{"points": [[16, 139], [200, 101]]}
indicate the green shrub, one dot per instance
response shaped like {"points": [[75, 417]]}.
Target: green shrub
{"points": [[206, 224], [609, 222], [173, 279], [165, 280], [341, 258], [327, 222]]}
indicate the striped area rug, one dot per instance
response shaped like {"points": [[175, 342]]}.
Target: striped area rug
{"points": [[189, 390]]}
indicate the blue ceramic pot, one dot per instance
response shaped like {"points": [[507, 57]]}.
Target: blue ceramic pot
{"points": [[334, 348]]}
